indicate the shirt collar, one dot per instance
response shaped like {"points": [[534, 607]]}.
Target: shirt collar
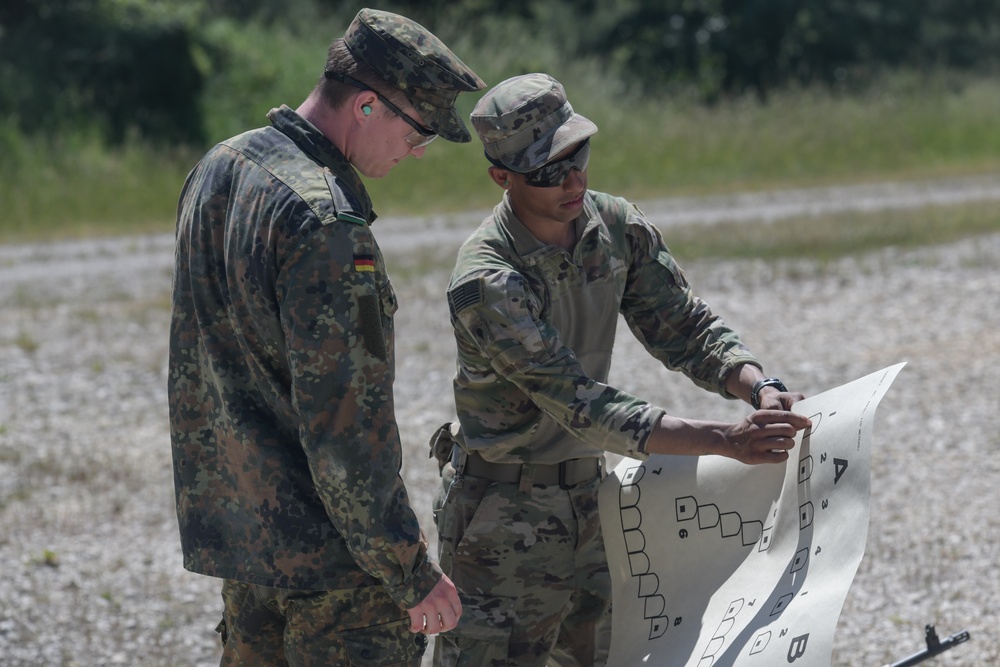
{"points": [[524, 242]]}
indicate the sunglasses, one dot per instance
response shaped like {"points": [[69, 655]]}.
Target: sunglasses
{"points": [[421, 136], [554, 173]]}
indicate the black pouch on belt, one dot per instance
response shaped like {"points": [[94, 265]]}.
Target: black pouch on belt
{"points": [[442, 442]]}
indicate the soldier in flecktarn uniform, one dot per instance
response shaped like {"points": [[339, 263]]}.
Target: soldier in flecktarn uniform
{"points": [[285, 446]]}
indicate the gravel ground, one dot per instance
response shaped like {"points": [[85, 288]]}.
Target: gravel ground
{"points": [[92, 570]]}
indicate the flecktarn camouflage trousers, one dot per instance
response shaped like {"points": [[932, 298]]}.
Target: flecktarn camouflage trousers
{"points": [[273, 627]]}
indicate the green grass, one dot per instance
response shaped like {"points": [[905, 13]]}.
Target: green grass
{"points": [[829, 237], [73, 186], [652, 149], [906, 128], [803, 138]]}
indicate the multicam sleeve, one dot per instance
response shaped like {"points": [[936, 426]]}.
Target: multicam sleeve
{"points": [[493, 313], [677, 327], [336, 310]]}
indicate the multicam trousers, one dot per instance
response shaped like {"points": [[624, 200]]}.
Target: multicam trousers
{"points": [[531, 571], [272, 627]]}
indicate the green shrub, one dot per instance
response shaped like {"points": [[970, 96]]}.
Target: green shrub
{"points": [[124, 67]]}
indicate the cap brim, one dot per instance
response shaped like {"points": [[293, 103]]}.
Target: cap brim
{"points": [[446, 123], [449, 125], [551, 144], [570, 133]]}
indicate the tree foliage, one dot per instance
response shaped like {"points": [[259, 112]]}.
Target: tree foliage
{"points": [[140, 66], [119, 66]]}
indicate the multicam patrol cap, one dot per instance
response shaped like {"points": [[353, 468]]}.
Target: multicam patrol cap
{"points": [[526, 121], [410, 58]]}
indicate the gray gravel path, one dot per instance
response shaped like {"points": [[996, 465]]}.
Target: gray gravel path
{"points": [[92, 571]]}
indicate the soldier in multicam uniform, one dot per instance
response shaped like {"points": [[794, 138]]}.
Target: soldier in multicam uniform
{"points": [[534, 300], [285, 444]]}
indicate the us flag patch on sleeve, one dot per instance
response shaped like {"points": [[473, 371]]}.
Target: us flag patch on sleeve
{"points": [[467, 294], [364, 263]]}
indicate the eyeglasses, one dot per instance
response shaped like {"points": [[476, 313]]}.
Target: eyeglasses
{"points": [[554, 173], [421, 136]]}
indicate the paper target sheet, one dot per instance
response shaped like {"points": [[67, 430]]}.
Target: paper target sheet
{"points": [[715, 563]]}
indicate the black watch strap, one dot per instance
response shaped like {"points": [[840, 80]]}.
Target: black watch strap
{"points": [[760, 384]]}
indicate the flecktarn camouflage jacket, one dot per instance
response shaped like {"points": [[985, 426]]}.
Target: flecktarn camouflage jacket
{"points": [[285, 445]]}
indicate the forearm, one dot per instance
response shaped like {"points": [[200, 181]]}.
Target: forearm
{"points": [[740, 381], [687, 437], [764, 436], [696, 437]]}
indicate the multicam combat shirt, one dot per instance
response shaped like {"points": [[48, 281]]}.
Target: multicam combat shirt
{"points": [[535, 327], [285, 445]]}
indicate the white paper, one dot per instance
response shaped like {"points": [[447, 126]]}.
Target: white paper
{"points": [[716, 563]]}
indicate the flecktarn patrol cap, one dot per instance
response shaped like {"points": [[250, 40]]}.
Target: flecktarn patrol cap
{"points": [[526, 121], [407, 56]]}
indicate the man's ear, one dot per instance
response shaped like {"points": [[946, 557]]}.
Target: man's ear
{"points": [[500, 176], [361, 106]]}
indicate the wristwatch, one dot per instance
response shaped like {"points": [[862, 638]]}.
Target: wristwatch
{"points": [[760, 384]]}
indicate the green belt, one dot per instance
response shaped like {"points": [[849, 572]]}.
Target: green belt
{"points": [[565, 474]]}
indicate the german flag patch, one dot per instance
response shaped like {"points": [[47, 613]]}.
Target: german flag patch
{"points": [[364, 263]]}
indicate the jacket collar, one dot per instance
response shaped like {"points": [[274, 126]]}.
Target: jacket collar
{"points": [[315, 144]]}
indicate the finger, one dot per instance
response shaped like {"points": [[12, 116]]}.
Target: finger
{"points": [[782, 401], [438, 623], [790, 399], [416, 621], [766, 437], [793, 419], [779, 444], [764, 456], [770, 431], [449, 620], [778, 430], [774, 456]]}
